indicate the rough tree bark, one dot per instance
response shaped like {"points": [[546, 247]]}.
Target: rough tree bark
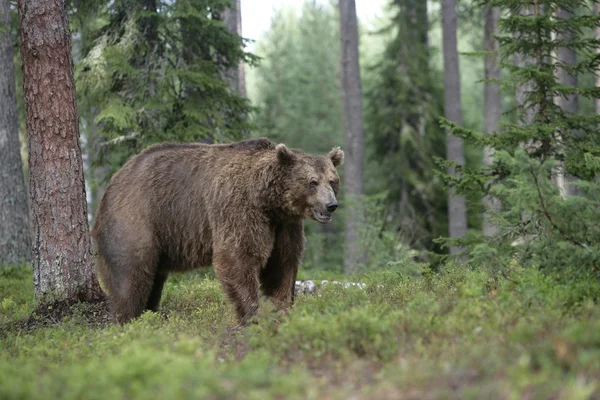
{"points": [[232, 17], [492, 105], [457, 206], [354, 254], [62, 262], [15, 243]]}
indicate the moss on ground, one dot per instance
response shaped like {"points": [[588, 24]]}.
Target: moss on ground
{"points": [[457, 334]]}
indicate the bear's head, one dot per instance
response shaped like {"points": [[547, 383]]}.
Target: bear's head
{"points": [[311, 183]]}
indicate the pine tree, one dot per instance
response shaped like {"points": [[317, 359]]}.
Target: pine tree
{"points": [[232, 17], [15, 243], [492, 103], [62, 261], [457, 208], [537, 226], [354, 184]]}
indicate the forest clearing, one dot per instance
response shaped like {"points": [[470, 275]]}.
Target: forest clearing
{"points": [[362, 199], [461, 334]]}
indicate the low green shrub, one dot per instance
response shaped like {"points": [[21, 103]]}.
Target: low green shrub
{"points": [[456, 333]]}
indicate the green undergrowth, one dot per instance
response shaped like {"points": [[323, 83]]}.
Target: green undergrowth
{"points": [[456, 334]]}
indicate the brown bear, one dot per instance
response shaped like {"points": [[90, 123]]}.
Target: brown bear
{"points": [[239, 207]]}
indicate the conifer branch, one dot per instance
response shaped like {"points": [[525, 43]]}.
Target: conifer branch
{"points": [[549, 216]]}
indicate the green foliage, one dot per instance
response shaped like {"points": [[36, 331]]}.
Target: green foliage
{"points": [[538, 224], [403, 103], [154, 71], [297, 82], [470, 331], [16, 293]]}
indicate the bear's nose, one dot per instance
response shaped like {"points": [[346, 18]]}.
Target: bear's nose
{"points": [[332, 206]]}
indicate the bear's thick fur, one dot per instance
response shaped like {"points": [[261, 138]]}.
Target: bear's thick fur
{"points": [[239, 207]]}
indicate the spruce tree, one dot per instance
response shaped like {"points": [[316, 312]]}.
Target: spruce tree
{"points": [[156, 71], [403, 103], [537, 225]]}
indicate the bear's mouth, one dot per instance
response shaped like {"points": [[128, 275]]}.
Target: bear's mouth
{"points": [[321, 217]]}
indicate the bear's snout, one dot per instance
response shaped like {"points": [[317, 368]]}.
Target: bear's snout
{"points": [[331, 207]]}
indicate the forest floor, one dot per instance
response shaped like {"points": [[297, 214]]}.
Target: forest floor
{"points": [[458, 334]]}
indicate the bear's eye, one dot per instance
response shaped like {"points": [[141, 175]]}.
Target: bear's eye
{"points": [[314, 184]]}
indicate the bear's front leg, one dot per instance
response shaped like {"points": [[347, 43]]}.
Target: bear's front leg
{"points": [[238, 275], [278, 278]]}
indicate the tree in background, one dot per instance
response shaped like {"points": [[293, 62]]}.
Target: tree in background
{"points": [[354, 186], [493, 106], [457, 206], [85, 19], [537, 225], [566, 56], [156, 73], [62, 261], [402, 113], [15, 243], [297, 81], [232, 17]]}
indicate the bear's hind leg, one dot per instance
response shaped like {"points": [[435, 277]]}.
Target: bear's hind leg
{"points": [[132, 283], [132, 302]]}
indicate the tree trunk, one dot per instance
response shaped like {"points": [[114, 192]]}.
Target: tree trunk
{"points": [[570, 103], [566, 56], [232, 17], [354, 254], [457, 206], [62, 262], [492, 105], [521, 90], [98, 172], [15, 242]]}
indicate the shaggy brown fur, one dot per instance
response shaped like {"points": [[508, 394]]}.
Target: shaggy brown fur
{"points": [[239, 207]]}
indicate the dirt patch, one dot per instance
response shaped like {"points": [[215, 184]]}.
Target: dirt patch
{"points": [[94, 314], [233, 344]]}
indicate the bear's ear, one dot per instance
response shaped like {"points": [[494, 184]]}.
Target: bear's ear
{"points": [[336, 155], [284, 155]]}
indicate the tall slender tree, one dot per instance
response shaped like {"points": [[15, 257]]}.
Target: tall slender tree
{"points": [[232, 17], [62, 262], [457, 206], [525, 112], [354, 185], [14, 222], [569, 103], [566, 56], [492, 103]]}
